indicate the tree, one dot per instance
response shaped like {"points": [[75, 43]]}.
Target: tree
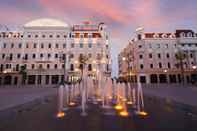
{"points": [[181, 56], [82, 60], [23, 72]]}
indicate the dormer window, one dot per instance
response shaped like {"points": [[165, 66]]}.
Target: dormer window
{"points": [[139, 36], [189, 34], [164, 36], [156, 36], [182, 34], [172, 36]]}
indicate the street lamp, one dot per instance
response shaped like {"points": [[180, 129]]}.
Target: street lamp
{"points": [[165, 71], [124, 58], [194, 67]]}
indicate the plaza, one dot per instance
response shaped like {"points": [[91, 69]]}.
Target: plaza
{"points": [[98, 65]]}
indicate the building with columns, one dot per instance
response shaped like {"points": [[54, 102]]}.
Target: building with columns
{"points": [[44, 50], [155, 57]]}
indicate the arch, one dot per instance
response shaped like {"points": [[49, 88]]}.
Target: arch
{"points": [[162, 78], [8, 80], [172, 78], [153, 78]]}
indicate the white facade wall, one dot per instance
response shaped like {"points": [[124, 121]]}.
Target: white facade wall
{"points": [[60, 38]]}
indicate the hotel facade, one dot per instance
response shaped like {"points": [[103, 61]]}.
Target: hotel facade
{"points": [[46, 52], [160, 57]]}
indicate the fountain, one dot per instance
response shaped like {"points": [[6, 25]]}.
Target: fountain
{"points": [[60, 101], [140, 100]]}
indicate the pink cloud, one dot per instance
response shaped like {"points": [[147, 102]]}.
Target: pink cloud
{"points": [[14, 16], [99, 8]]}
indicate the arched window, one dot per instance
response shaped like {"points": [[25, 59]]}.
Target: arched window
{"points": [[182, 34], [189, 34], [71, 67], [89, 67]]}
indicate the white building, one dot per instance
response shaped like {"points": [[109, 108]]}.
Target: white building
{"points": [[43, 50], [152, 57]]}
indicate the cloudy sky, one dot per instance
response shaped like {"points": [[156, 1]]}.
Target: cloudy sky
{"points": [[121, 16]]}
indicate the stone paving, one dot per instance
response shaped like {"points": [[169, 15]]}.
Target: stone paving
{"points": [[186, 94], [10, 97]]}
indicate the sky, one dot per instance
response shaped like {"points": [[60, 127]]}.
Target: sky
{"points": [[122, 17]]}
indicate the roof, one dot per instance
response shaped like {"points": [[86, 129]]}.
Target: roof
{"points": [[45, 22]]}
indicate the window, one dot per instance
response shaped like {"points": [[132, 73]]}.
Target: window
{"points": [[167, 55], [141, 66], [41, 55], [56, 55], [49, 55], [150, 55], [89, 67], [71, 56], [35, 45], [36, 36], [71, 67], [89, 55], [43, 36], [32, 66], [159, 55], [56, 45], [49, 46], [64, 45], [51, 36], [64, 56], [3, 56], [160, 65], [55, 66], [90, 45], [17, 67], [48, 66], [12, 45], [169, 66], [58, 36], [11, 56], [63, 66], [158, 45], [166, 45], [18, 56], [27, 45], [42, 45], [150, 45], [191, 55], [4, 45], [98, 44], [151, 66], [29, 36], [72, 45], [19, 45], [34, 56], [40, 66], [81, 45], [141, 56], [139, 36], [107, 56], [140, 46], [26, 57]]}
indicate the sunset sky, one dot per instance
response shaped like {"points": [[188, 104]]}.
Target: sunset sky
{"points": [[121, 16]]}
